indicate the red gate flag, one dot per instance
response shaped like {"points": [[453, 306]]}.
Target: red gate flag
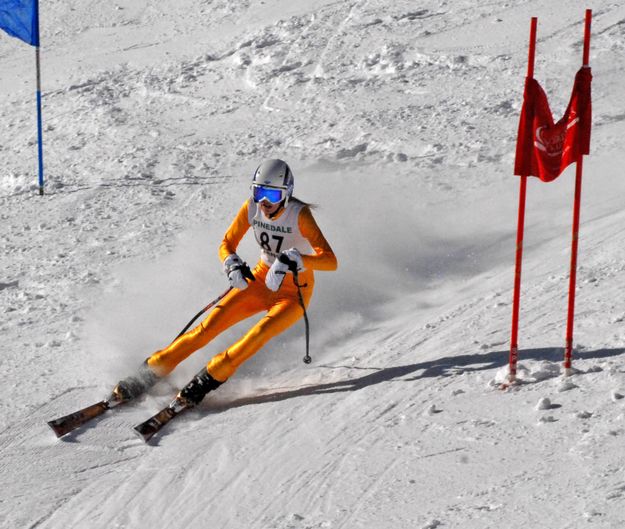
{"points": [[544, 148]]}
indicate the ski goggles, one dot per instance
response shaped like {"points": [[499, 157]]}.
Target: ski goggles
{"points": [[272, 195]]}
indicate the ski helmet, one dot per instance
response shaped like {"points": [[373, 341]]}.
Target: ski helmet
{"points": [[273, 181]]}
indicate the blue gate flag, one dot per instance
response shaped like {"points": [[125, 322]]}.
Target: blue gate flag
{"points": [[20, 18]]}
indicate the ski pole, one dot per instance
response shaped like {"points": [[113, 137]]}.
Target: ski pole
{"points": [[247, 273], [307, 358], [210, 305]]}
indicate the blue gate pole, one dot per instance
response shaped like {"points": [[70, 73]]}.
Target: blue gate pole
{"points": [[39, 122]]}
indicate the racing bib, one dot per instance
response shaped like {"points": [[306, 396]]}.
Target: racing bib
{"points": [[277, 235]]}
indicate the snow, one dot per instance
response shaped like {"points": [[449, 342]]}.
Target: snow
{"points": [[399, 120]]}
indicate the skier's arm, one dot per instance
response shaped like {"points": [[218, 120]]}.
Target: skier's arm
{"points": [[235, 233], [323, 258]]}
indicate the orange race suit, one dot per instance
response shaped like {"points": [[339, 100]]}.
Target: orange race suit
{"points": [[295, 225]]}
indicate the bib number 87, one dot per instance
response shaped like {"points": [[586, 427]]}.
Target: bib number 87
{"points": [[264, 242]]}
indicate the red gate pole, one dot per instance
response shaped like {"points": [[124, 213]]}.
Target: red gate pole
{"points": [[514, 339], [568, 350]]}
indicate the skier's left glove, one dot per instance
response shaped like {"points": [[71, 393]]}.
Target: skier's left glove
{"points": [[293, 259], [288, 261]]}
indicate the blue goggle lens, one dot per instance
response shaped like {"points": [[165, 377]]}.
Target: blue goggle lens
{"points": [[271, 194]]}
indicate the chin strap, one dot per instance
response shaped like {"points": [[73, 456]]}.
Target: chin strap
{"points": [[282, 206]]}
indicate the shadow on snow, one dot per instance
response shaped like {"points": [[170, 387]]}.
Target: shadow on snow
{"points": [[442, 367]]}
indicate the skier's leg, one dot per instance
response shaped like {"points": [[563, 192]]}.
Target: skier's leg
{"points": [[235, 307], [284, 313]]}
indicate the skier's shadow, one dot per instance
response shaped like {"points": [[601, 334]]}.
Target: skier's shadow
{"points": [[442, 367]]}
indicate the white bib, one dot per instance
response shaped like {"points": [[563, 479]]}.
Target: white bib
{"points": [[277, 235]]}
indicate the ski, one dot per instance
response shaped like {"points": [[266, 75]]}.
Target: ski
{"points": [[68, 423], [147, 429]]}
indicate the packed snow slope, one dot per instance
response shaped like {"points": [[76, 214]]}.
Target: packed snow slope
{"points": [[399, 120]]}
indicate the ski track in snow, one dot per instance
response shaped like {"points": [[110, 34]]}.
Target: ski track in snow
{"points": [[400, 121]]}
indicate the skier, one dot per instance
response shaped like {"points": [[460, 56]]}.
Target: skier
{"points": [[289, 239]]}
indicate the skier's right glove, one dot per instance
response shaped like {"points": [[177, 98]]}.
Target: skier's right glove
{"points": [[237, 271]]}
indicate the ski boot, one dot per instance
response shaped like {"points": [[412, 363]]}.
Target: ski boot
{"points": [[135, 385], [193, 393]]}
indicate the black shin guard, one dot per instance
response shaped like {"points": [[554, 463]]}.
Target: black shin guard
{"points": [[133, 386], [200, 385]]}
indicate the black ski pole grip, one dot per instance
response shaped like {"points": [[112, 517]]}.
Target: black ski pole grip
{"points": [[290, 263], [247, 272]]}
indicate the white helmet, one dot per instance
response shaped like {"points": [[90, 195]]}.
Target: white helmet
{"points": [[273, 181]]}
